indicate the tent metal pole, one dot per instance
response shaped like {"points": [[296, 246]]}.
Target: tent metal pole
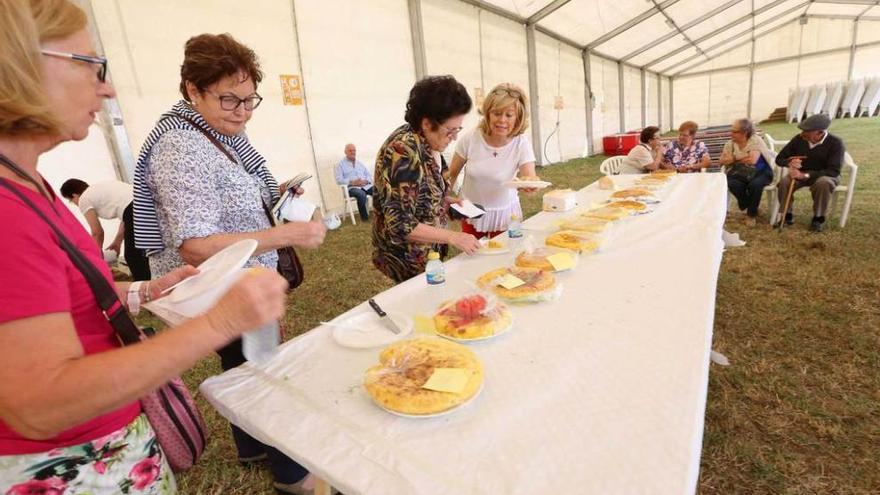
{"points": [[306, 104], [644, 96], [110, 116], [588, 99], [684, 27], [852, 51], [547, 10], [627, 25], [621, 91], [751, 67], [734, 47], [718, 31], [534, 107], [417, 34], [671, 101], [660, 102], [844, 17]]}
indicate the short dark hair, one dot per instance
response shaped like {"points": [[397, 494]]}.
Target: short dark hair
{"points": [[207, 58], [689, 126], [73, 186], [648, 133], [437, 98]]}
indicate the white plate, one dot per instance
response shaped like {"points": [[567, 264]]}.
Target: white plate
{"points": [[527, 184], [477, 339], [214, 271], [435, 415], [365, 331]]}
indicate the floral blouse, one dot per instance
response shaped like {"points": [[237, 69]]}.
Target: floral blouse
{"points": [[686, 157], [410, 188]]}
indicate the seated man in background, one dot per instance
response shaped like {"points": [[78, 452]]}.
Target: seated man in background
{"points": [[814, 158], [687, 154], [647, 156], [352, 173], [109, 200]]}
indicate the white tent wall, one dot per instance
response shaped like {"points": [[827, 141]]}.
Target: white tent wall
{"points": [[486, 50], [351, 97], [666, 114], [87, 160], [729, 95], [560, 73], [652, 107], [867, 62], [605, 85], [691, 95], [869, 31], [770, 91], [144, 42], [632, 97]]}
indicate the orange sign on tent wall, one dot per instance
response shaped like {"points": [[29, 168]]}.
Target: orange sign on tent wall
{"points": [[291, 89]]}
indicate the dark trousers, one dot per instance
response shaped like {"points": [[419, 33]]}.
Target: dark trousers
{"points": [[748, 193], [360, 196], [136, 258], [284, 469]]}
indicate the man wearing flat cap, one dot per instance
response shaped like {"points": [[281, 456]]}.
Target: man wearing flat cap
{"points": [[814, 158]]}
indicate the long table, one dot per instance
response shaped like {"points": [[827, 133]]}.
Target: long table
{"points": [[600, 391]]}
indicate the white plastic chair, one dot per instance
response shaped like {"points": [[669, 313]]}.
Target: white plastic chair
{"points": [[772, 143], [849, 171], [611, 166], [349, 205]]}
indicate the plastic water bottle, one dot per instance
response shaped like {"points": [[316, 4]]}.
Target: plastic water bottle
{"points": [[514, 228], [261, 345], [434, 271]]}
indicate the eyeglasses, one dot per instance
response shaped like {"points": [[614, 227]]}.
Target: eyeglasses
{"points": [[231, 102], [451, 131], [512, 92], [101, 61]]}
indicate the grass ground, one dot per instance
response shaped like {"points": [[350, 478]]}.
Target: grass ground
{"points": [[798, 410]]}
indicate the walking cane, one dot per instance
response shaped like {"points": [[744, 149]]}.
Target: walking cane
{"points": [[788, 196]]}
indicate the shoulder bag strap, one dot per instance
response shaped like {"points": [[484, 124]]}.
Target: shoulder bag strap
{"points": [[105, 295]]}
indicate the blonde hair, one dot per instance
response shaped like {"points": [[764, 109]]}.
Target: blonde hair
{"points": [[502, 96], [24, 25]]}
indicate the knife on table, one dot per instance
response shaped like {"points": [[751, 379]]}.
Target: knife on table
{"points": [[383, 317]]}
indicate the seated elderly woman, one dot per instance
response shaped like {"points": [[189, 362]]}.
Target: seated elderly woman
{"points": [[747, 161], [687, 154], [412, 181], [70, 419], [647, 156]]}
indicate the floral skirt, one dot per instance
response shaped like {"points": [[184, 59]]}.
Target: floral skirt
{"points": [[127, 461]]}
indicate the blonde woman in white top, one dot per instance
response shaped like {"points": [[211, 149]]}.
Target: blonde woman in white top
{"points": [[494, 152]]}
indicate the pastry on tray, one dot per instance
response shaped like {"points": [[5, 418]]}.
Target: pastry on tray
{"points": [[573, 240], [607, 213], [538, 285], [474, 316], [633, 192], [585, 224], [628, 204], [537, 258], [396, 383]]}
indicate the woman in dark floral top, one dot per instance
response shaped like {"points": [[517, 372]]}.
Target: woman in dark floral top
{"points": [[412, 180], [687, 154]]}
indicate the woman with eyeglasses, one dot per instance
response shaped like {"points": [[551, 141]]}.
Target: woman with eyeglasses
{"points": [[647, 156], [412, 181], [686, 154], [70, 419], [746, 159], [200, 186], [494, 152]]}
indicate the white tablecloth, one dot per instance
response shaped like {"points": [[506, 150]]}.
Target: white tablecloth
{"points": [[601, 391]]}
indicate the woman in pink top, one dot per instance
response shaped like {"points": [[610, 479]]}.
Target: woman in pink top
{"points": [[495, 152], [70, 420]]}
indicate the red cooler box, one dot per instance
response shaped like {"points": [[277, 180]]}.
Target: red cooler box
{"points": [[619, 144]]}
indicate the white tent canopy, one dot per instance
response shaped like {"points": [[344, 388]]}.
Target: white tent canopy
{"points": [[590, 67]]}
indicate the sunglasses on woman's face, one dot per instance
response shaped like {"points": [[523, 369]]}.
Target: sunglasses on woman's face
{"points": [[101, 62]]}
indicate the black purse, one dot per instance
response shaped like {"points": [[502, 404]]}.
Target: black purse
{"points": [[743, 172], [289, 265]]}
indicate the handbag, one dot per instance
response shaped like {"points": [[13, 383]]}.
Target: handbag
{"points": [[743, 172], [289, 265], [170, 409]]}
